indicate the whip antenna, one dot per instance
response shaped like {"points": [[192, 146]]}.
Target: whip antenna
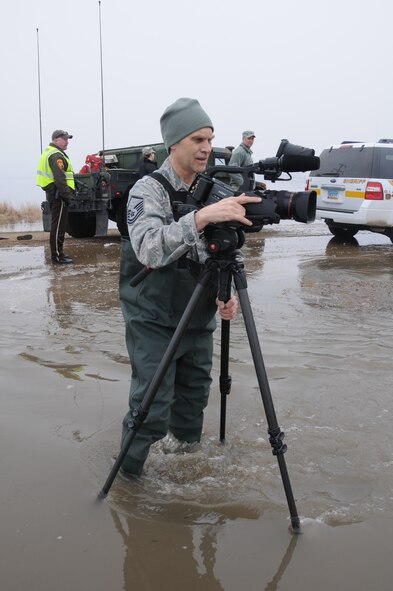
{"points": [[39, 88], [102, 89]]}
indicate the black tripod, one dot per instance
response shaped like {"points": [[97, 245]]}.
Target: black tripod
{"points": [[226, 268]]}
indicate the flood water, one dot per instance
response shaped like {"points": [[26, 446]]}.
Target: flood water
{"points": [[216, 519]]}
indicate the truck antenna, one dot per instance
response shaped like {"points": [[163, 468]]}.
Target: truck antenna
{"points": [[102, 89], [39, 87]]}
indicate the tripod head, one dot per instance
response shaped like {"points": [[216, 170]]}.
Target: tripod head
{"points": [[224, 238]]}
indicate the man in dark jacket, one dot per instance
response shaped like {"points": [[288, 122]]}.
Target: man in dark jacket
{"points": [[56, 177], [148, 164]]}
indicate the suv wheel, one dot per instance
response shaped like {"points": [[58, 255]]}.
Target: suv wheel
{"points": [[389, 234], [342, 231]]}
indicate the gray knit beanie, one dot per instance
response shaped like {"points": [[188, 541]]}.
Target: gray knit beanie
{"points": [[182, 118]]}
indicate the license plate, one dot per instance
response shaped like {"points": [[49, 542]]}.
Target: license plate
{"points": [[332, 195]]}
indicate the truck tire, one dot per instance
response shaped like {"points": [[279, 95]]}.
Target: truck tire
{"points": [[121, 218], [81, 224]]}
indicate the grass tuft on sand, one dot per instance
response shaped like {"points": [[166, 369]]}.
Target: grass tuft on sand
{"points": [[29, 212]]}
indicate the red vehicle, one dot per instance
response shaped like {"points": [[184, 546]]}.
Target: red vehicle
{"points": [[93, 163]]}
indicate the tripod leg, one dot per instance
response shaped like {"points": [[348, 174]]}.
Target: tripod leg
{"points": [[139, 414], [224, 294], [225, 378], [276, 435]]}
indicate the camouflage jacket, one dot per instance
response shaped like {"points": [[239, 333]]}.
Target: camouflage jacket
{"points": [[156, 238]]}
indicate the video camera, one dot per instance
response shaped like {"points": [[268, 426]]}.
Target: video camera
{"points": [[274, 206]]}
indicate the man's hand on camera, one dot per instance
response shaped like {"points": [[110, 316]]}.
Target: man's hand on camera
{"points": [[229, 209], [227, 310]]}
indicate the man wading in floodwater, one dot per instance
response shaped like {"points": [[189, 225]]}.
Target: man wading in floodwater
{"points": [[153, 308]]}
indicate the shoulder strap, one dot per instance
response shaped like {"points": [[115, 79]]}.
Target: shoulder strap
{"points": [[175, 197], [173, 194]]}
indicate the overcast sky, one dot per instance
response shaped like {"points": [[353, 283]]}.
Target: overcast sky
{"points": [[315, 72]]}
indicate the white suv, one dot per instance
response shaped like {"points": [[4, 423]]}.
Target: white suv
{"points": [[354, 186]]}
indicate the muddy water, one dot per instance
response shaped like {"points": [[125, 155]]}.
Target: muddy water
{"points": [[218, 518]]}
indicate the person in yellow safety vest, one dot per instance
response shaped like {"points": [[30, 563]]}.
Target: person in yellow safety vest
{"points": [[56, 177]]}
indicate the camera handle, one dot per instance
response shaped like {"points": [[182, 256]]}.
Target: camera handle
{"points": [[227, 268]]}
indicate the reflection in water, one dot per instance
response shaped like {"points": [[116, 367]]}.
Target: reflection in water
{"points": [[70, 371], [90, 283], [273, 584], [156, 558], [338, 245], [349, 277], [178, 547], [83, 299]]}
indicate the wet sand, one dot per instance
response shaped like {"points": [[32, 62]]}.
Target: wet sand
{"points": [[217, 519]]}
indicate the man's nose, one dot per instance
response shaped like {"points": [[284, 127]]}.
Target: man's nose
{"points": [[206, 147]]}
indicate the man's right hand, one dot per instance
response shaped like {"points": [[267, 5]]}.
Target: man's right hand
{"points": [[229, 209]]}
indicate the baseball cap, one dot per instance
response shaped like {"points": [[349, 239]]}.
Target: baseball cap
{"points": [[248, 134], [61, 133]]}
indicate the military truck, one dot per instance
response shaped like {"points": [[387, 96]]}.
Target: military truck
{"points": [[102, 195]]}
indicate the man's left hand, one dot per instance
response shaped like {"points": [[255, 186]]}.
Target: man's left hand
{"points": [[227, 310]]}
